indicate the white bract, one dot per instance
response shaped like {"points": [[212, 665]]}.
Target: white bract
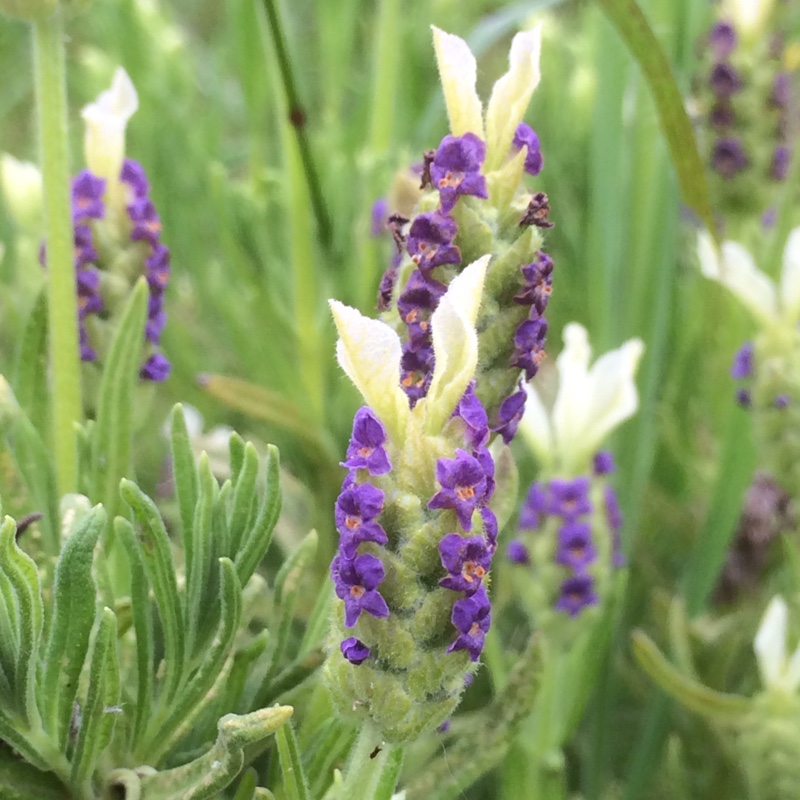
{"points": [[590, 402], [104, 139], [777, 671], [369, 352], [510, 95], [735, 268], [748, 16]]}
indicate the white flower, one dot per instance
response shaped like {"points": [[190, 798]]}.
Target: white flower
{"points": [[510, 95], [589, 404], [770, 648], [104, 139], [369, 352], [737, 271], [22, 188], [749, 16]]}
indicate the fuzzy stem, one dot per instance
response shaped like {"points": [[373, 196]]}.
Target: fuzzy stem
{"points": [[48, 55], [367, 771]]}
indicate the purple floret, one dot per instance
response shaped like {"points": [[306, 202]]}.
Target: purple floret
{"points": [[577, 592], [366, 449], [722, 39], [87, 196], [157, 368], [430, 241], [476, 421], [466, 560], [534, 508], [529, 342], [355, 582], [509, 415], [604, 463], [575, 546], [157, 265], [356, 509], [355, 651], [471, 617], [416, 372], [728, 157], [456, 169], [569, 499], [525, 136], [134, 176], [517, 553], [742, 366], [724, 81], [145, 219], [463, 483], [416, 305]]}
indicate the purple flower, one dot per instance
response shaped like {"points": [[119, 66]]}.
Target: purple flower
{"points": [[577, 593], [133, 175], [444, 727], [509, 414], [416, 305], [157, 265], [743, 398], [724, 81], [87, 196], [525, 136], [604, 463], [466, 559], [781, 159], [537, 283], [378, 217], [782, 401], [471, 617], [156, 368], [781, 90], [456, 169], [156, 318], [356, 508], [721, 116], [388, 280], [484, 457], [728, 157], [416, 371], [569, 499], [529, 342], [145, 219], [575, 546], [742, 366], [463, 483], [355, 651], [430, 241], [85, 253], [517, 553], [722, 39], [88, 353], [366, 449], [471, 411], [355, 582], [534, 508]]}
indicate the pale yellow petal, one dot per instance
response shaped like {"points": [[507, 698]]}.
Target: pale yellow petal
{"points": [[790, 277]]}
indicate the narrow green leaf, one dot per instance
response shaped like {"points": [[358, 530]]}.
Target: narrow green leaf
{"points": [[113, 432], [390, 774], [244, 497], [194, 697], [9, 643], [247, 785], [74, 611], [256, 541], [155, 549], [208, 775], [236, 447], [23, 575], [295, 783], [318, 622], [694, 696], [30, 374], [143, 628], [185, 475], [100, 710], [643, 45], [333, 742], [12, 734], [290, 678]]}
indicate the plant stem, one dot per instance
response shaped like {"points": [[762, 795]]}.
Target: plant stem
{"points": [[371, 774], [48, 54], [297, 117]]}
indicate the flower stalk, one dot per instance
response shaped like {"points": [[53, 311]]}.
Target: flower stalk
{"points": [[48, 54]]}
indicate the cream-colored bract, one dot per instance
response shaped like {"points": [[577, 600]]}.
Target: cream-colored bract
{"points": [[509, 99], [21, 182], [104, 139], [735, 268], [590, 402], [777, 672], [369, 352], [749, 17]]}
